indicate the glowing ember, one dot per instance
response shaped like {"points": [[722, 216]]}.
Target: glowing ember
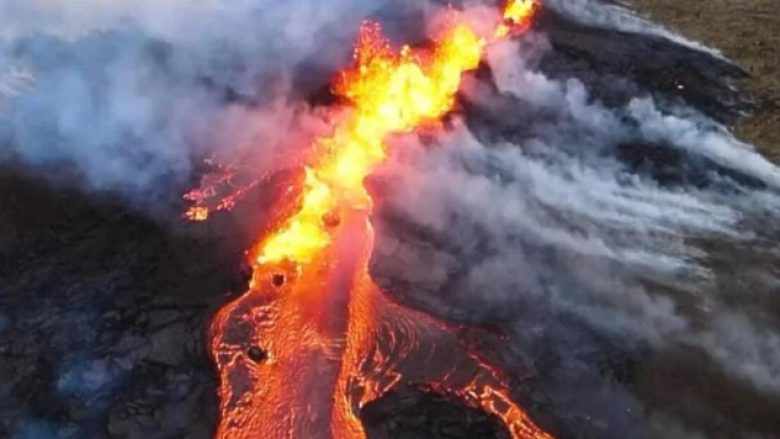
{"points": [[223, 177], [314, 339], [519, 12]]}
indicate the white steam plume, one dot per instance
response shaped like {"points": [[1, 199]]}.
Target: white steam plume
{"points": [[557, 220], [130, 93]]}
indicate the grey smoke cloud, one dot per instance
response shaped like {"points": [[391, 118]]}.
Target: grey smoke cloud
{"points": [[748, 349], [132, 94], [551, 218]]}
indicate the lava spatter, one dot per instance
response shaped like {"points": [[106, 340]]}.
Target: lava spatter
{"points": [[314, 339]]}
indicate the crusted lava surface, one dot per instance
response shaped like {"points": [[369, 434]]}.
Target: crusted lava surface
{"points": [[103, 311]]}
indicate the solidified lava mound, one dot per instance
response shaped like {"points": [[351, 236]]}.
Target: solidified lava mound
{"points": [[584, 209]]}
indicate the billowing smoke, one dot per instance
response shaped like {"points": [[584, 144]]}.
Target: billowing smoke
{"points": [[592, 227], [607, 233], [128, 95]]}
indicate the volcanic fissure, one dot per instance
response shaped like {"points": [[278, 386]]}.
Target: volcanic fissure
{"points": [[314, 340]]}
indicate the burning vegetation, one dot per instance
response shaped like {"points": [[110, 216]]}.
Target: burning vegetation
{"points": [[314, 340]]}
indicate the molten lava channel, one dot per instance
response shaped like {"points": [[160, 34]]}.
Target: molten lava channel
{"points": [[314, 340]]}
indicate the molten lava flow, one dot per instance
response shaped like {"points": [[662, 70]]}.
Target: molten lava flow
{"points": [[314, 339], [223, 176], [390, 94]]}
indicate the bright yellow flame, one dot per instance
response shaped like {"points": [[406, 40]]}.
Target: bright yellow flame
{"points": [[517, 16], [303, 234], [390, 93], [318, 334], [518, 11]]}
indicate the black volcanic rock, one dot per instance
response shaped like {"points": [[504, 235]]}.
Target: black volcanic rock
{"points": [[103, 312], [641, 63], [410, 413], [103, 317]]}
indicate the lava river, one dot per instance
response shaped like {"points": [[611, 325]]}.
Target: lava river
{"points": [[314, 339]]}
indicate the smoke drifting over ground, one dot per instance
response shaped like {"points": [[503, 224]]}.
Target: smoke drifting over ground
{"points": [[131, 94], [619, 230], [552, 224], [612, 14]]}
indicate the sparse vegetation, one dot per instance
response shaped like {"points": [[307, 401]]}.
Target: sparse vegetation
{"points": [[747, 31]]}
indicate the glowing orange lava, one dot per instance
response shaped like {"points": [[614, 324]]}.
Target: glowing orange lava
{"points": [[314, 339], [517, 17]]}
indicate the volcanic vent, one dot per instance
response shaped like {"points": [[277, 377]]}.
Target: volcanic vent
{"points": [[532, 221], [314, 339]]}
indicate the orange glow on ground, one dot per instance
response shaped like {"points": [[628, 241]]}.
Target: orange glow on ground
{"points": [[330, 340]]}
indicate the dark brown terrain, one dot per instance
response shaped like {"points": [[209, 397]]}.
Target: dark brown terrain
{"points": [[747, 31]]}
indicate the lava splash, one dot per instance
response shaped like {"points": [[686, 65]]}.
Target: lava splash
{"points": [[314, 340]]}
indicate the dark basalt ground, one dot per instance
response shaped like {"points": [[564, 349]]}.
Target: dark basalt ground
{"points": [[103, 312]]}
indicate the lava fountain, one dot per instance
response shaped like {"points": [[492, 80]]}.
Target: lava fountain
{"points": [[314, 340]]}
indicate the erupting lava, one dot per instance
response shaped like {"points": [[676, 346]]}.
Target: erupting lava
{"points": [[314, 339]]}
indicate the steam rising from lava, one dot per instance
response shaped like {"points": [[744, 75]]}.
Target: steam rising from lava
{"points": [[590, 242], [160, 84], [527, 208], [331, 341]]}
